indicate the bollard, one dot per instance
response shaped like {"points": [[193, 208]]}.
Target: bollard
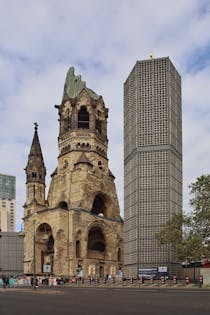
{"points": [[174, 280], [152, 280], [141, 280], [163, 280], [104, 280], [200, 281], [131, 280], [113, 280], [187, 279]]}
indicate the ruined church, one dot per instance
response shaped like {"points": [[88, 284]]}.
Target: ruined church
{"points": [[78, 226]]}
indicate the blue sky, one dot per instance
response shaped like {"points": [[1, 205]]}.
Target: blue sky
{"points": [[40, 40]]}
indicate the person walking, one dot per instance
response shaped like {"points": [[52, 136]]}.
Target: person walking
{"points": [[4, 281]]}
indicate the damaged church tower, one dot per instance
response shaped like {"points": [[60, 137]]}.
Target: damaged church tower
{"points": [[79, 226]]}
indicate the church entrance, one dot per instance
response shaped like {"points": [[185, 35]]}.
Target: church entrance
{"points": [[44, 248]]}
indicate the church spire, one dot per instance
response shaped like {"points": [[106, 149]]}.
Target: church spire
{"points": [[35, 171]]}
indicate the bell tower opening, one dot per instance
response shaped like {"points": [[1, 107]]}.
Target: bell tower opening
{"points": [[63, 205], [83, 118], [99, 207]]}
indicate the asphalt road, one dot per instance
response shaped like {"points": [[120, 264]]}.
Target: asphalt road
{"points": [[101, 301]]}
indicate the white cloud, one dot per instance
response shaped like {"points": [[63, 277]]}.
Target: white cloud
{"points": [[39, 40]]}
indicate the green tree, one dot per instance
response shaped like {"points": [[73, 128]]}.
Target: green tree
{"points": [[200, 203], [189, 235], [175, 233]]}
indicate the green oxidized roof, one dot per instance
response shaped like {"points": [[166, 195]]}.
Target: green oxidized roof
{"points": [[74, 85]]}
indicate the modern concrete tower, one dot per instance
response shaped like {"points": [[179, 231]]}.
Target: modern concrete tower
{"points": [[7, 203], [152, 161]]}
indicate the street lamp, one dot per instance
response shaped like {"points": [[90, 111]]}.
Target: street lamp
{"points": [[45, 238]]}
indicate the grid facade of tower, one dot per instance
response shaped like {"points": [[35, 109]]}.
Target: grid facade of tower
{"points": [[7, 203], [152, 161]]}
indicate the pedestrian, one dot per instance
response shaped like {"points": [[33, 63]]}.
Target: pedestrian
{"points": [[7, 282], [32, 281], [11, 281], [4, 281]]}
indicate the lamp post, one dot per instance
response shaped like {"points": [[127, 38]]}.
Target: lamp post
{"points": [[34, 255]]}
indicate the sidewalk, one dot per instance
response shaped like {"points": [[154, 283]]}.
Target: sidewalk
{"points": [[125, 285]]}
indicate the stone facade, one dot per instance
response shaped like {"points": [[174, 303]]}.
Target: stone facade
{"points": [[80, 220]]}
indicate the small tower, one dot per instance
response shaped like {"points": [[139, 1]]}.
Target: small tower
{"points": [[35, 173], [83, 119]]}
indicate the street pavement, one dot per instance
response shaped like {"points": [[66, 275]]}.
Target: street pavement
{"points": [[104, 300]]}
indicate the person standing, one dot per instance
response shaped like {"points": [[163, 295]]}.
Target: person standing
{"points": [[4, 281]]}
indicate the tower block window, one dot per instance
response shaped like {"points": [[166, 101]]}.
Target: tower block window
{"points": [[83, 118]]}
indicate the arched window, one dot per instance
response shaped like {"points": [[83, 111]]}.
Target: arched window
{"points": [[45, 250], [83, 118], [100, 166], [99, 207], [96, 240], [33, 174], [44, 228], [63, 205]]}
